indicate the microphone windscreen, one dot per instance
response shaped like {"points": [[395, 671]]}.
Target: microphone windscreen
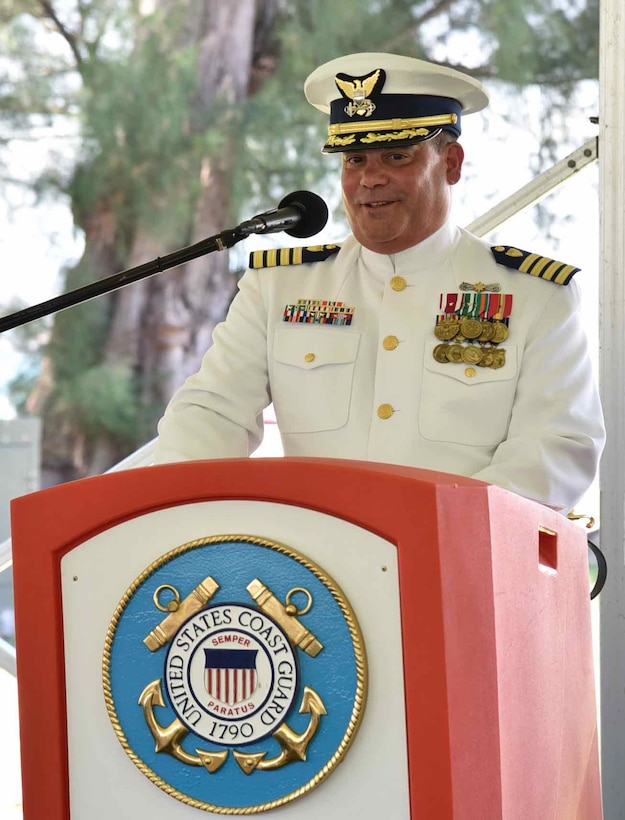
{"points": [[314, 213]]}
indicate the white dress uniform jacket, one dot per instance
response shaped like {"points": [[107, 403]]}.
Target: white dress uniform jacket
{"points": [[373, 390]]}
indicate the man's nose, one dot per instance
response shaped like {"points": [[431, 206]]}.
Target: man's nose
{"points": [[373, 174]]}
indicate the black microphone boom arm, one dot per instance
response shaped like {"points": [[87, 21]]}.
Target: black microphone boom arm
{"points": [[219, 242], [302, 212]]}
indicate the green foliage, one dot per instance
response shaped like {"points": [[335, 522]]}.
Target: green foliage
{"points": [[29, 84], [539, 42], [102, 401], [78, 341], [98, 399], [138, 141]]}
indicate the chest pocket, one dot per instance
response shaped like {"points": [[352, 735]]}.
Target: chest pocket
{"points": [[311, 379], [466, 404]]}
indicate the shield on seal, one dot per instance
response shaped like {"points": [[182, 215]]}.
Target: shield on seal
{"points": [[230, 674]]}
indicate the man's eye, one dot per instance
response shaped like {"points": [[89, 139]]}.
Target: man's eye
{"points": [[353, 160]]}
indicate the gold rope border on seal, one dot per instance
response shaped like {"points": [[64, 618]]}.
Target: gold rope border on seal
{"points": [[357, 643]]}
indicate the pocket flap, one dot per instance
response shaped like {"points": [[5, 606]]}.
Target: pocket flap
{"points": [[308, 347]]}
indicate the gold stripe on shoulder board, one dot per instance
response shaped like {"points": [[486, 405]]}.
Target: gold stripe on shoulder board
{"points": [[540, 266], [275, 257]]}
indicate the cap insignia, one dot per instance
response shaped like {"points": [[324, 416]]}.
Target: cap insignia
{"points": [[358, 90]]}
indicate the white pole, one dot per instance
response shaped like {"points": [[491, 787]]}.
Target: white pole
{"points": [[612, 332], [532, 193]]}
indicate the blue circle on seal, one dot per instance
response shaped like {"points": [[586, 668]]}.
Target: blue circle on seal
{"points": [[250, 767]]}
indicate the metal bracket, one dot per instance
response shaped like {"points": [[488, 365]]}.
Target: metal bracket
{"points": [[537, 189]]}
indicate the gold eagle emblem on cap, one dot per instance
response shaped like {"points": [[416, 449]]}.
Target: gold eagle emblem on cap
{"points": [[358, 90]]}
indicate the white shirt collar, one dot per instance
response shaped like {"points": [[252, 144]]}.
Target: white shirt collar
{"points": [[431, 251]]}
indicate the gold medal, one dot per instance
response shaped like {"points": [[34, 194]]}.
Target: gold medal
{"points": [[440, 353], [471, 328], [487, 358], [447, 329], [488, 331], [500, 332], [499, 358], [471, 354], [454, 353]]}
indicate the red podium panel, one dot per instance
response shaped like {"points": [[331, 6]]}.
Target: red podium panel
{"points": [[500, 716]]}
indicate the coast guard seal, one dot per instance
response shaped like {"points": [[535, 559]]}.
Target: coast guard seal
{"points": [[234, 674], [243, 662]]}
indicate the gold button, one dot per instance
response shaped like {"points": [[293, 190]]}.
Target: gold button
{"points": [[390, 342], [385, 411], [309, 357], [398, 283], [470, 371]]}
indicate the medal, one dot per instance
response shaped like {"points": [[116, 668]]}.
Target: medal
{"points": [[471, 354], [500, 332], [454, 353], [446, 328], [493, 357], [471, 328], [487, 333], [476, 319], [440, 353]]}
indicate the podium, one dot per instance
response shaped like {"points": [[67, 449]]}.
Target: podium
{"points": [[302, 638]]}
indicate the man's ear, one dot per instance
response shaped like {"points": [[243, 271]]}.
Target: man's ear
{"points": [[455, 158]]}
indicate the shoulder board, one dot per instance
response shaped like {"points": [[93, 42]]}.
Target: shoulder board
{"points": [[535, 265], [292, 256]]}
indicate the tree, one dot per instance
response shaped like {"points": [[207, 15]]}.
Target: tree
{"points": [[159, 121], [185, 113]]}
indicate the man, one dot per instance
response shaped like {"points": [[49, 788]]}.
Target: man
{"points": [[414, 342]]}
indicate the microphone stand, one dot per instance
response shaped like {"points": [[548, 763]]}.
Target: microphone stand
{"points": [[219, 242]]}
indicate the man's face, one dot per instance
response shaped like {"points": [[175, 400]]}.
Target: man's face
{"points": [[397, 197]]}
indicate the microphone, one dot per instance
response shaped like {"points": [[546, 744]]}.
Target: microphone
{"points": [[299, 214]]}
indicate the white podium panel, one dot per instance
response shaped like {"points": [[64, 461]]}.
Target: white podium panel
{"points": [[370, 781]]}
